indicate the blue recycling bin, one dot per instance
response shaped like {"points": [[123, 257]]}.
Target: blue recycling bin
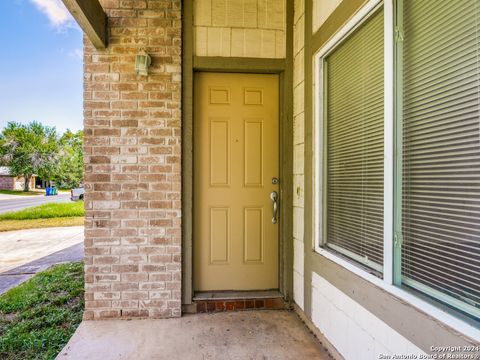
{"points": [[48, 191]]}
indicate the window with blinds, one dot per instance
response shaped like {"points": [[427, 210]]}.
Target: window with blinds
{"points": [[441, 150], [353, 88]]}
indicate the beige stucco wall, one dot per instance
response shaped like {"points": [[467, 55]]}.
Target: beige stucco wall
{"points": [[240, 28], [19, 183], [298, 148], [321, 10]]}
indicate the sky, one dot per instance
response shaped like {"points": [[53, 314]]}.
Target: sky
{"points": [[41, 74]]}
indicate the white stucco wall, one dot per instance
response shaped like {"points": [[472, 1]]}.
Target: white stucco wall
{"points": [[354, 331]]}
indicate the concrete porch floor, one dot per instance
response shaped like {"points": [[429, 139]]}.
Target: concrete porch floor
{"points": [[228, 335]]}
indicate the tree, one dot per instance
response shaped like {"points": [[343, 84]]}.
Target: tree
{"points": [[29, 149], [69, 169]]}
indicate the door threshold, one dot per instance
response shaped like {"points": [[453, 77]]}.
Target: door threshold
{"points": [[217, 301], [236, 295]]}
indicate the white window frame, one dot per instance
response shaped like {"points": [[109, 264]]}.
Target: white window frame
{"points": [[357, 20], [386, 283]]}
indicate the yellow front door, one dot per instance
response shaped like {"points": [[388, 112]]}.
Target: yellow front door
{"points": [[235, 173]]}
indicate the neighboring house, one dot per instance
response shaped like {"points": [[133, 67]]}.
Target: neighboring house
{"points": [[9, 182], [40, 183], [325, 150]]}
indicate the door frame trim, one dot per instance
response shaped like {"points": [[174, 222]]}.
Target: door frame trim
{"points": [[282, 67]]}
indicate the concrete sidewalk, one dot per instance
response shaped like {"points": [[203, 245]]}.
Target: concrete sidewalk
{"points": [[24, 253], [18, 275], [260, 334], [23, 246]]}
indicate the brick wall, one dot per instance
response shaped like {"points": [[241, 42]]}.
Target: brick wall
{"points": [[132, 164], [6, 183]]}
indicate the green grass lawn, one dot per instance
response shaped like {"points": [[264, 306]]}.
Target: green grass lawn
{"points": [[38, 317], [47, 211], [11, 225], [21, 193], [47, 215]]}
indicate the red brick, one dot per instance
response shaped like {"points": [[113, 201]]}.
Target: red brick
{"points": [[259, 304], [220, 306], [276, 303], [210, 306], [240, 304], [201, 307], [230, 305], [249, 304]]}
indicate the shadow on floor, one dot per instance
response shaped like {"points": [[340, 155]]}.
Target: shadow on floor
{"points": [[258, 334]]}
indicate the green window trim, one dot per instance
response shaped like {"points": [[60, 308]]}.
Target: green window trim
{"points": [[397, 142], [463, 306]]}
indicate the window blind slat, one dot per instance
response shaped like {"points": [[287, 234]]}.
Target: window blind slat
{"points": [[354, 145], [444, 250], [441, 150]]}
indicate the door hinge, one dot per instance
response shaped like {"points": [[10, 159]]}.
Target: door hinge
{"points": [[398, 34], [398, 239]]}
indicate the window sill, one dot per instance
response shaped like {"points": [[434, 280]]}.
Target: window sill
{"points": [[434, 311]]}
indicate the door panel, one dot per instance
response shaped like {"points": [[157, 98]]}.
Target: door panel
{"points": [[235, 159]]}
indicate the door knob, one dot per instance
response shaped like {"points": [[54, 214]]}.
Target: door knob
{"points": [[274, 198]]}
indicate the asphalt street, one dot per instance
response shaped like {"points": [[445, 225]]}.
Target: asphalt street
{"points": [[22, 202]]}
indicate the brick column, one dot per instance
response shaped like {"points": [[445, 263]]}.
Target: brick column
{"points": [[133, 164]]}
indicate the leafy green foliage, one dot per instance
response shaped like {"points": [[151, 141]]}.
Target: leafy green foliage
{"points": [[29, 149], [38, 317], [47, 211], [69, 169], [37, 149]]}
